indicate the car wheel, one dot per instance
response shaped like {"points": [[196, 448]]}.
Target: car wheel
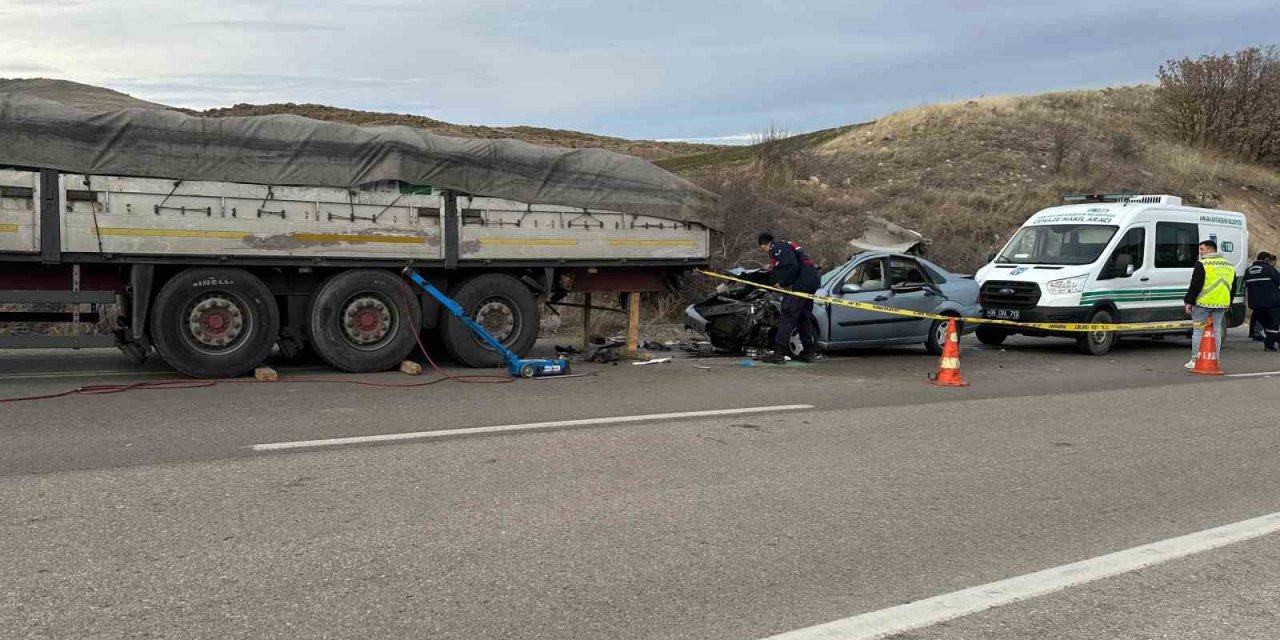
{"points": [[1097, 343], [991, 336], [937, 337]]}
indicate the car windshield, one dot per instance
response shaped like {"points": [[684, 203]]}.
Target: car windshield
{"points": [[1058, 244]]}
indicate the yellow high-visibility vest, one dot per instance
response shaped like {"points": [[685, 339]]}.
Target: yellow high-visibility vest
{"points": [[1219, 276]]}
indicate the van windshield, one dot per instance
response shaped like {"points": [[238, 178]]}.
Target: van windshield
{"points": [[1058, 244]]}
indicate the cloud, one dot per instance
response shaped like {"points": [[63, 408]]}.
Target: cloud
{"points": [[26, 66], [668, 69], [267, 26]]}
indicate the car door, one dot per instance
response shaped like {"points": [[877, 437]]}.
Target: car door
{"points": [[865, 282], [910, 288]]}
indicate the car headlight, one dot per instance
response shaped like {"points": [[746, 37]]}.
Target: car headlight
{"points": [[1067, 285]]}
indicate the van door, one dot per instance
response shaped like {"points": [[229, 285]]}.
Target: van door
{"points": [[1125, 277], [1175, 252]]}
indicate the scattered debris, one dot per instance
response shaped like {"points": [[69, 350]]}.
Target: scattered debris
{"points": [[266, 374], [654, 361], [409, 367]]}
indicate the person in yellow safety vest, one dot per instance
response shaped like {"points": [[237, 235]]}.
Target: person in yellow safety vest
{"points": [[1209, 296]]}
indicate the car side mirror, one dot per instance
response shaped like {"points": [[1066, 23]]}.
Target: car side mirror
{"points": [[849, 287], [991, 257]]}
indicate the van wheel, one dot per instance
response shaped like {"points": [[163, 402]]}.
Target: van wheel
{"points": [[360, 320], [504, 306], [1097, 343], [991, 336], [937, 337], [214, 323]]}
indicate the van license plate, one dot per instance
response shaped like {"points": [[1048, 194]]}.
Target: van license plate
{"points": [[1003, 314]]}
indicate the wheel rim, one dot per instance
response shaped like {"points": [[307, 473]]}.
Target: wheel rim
{"points": [[1101, 338], [940, 334], [501, 318], [369, 321], [217, 323]]}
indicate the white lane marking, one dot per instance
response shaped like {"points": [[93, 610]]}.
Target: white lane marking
{"points": [[511, 428], [931, 611], [1253, 375]]}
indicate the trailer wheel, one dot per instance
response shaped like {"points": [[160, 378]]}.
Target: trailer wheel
{"points": [[214, 323], [502, 305], [363, 320]]}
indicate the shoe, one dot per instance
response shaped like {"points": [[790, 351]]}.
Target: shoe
{"points": [[1270, 349], [774, 358], [1190, 365], [811, 356]]}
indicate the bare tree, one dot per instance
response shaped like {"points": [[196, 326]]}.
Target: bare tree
{"points": [[1229, 102]]}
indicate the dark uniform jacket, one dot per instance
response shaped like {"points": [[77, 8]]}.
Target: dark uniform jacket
{"points": [[1262, 284], [792, 268]]}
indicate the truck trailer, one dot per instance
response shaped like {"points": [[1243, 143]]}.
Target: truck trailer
{"points": [[219, 240]]}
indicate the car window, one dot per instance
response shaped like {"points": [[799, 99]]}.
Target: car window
{"points": [[869, 276], [906, 273]]}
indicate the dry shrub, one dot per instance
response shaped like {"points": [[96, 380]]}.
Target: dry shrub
{"points": [[1227, 102]]}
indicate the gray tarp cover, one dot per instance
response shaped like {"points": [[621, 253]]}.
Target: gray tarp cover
{"points": [[297, 151]]}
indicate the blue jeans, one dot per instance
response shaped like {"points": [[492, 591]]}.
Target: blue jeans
{"points": [[1199, 315]]}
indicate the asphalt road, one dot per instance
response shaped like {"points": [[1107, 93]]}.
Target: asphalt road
{"points": [[146, 514]]}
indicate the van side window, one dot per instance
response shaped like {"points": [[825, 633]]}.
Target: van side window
{"points": [[1176, 245], [1130, 252]]}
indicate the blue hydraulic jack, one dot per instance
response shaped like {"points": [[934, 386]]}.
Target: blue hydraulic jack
{"points": [[516, 366]]}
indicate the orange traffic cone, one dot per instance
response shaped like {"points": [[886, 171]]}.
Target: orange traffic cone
{"points": [[1207, 358], [949, 365]]}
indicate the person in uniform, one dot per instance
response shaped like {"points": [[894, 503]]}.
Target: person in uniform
{"points": [[1262, 285], [794, 270], [1209, 296]]}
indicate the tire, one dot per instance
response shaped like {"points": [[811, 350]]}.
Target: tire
{"points": [[794, 346], [937, 337], [358, 320], [991, 336], [501, 304], [214, 323], [1097, 343]]}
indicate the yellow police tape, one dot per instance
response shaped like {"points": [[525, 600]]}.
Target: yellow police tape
{"points": [[1084, 327]]}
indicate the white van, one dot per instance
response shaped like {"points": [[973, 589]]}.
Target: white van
{"points": [[1106, 258]]}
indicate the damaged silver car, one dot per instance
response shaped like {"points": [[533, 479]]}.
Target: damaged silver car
{"points": [[740, 317]]}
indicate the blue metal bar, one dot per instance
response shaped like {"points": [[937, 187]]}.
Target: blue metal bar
{"points": [[508, 356]]}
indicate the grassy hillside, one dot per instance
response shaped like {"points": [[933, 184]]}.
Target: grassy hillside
{"points": [[967, 174]]}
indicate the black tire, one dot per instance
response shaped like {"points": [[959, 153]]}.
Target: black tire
{"points": [[991, 336], [364, 320], [1097, 343], [937, 337], [501, 304], [794, 346], [214, 323]]}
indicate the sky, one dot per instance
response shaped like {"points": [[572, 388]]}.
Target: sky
{"points": [[706, 70]]}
